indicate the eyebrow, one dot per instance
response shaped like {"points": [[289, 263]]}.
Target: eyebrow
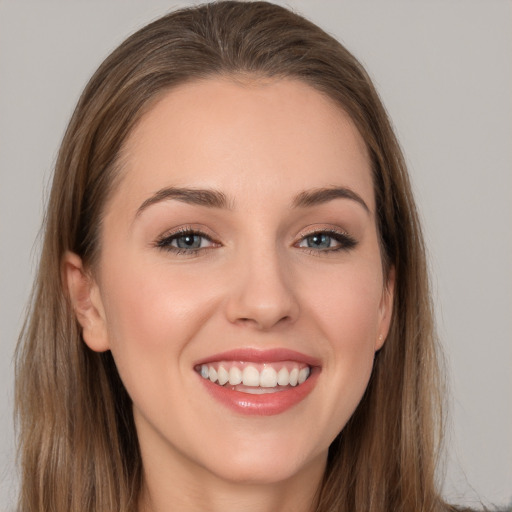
{"points": [[200, 197], [323, 195], [216, 199]]}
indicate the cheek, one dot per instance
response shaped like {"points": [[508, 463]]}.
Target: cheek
{"points": [[152, 313], [347, 306], [347, 314]]}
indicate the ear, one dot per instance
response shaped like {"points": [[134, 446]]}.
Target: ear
{"points": [[386, 308], [86, 301]]}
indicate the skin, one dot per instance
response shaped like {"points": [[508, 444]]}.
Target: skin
{"points": [[255, 283]]}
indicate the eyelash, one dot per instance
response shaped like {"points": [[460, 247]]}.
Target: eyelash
{"points": [[345, 241], [165, 242]]}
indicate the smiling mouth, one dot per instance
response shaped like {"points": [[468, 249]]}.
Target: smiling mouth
{"points": [[255, 378]]}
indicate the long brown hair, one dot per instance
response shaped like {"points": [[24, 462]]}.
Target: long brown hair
{"points": [[77, 442]]}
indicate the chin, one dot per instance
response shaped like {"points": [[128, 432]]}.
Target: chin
{"points": [[266, 466]]}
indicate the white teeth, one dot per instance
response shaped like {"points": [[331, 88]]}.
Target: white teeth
{"points": [[303, 375], [235, 376], [223, 375], [294, 377], [258, 391], [268, 378], [263, 381], [250, 376], [212, 373], [283, 377]]}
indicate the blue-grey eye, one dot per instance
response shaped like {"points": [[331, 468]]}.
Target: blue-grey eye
{"points": [[185, 241], [327, 241], [188, 241], [318, 241]]}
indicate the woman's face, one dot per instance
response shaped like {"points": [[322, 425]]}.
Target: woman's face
{"points": [[241, 245]]}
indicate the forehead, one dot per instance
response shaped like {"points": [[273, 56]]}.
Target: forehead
{"points": [[273, 136]]}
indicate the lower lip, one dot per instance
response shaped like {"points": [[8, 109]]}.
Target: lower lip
{"points": [[266, 404]]}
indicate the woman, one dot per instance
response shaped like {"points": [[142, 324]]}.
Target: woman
{"points": [[232, 307]]}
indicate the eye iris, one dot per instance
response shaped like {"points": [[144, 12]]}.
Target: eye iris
{"points": [[319, 241], [189, 241]]}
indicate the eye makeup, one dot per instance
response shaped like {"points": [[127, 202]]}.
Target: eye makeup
{"points": [[187, 241], [326, 241]]}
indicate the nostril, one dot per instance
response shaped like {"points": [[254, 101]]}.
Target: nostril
{"points": [[261, 302], [262, 322]]}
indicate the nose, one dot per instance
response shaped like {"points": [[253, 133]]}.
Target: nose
{"points": [[262, 292]]}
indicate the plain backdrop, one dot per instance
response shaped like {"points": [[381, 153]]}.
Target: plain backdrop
{"points": [[444, 71]]}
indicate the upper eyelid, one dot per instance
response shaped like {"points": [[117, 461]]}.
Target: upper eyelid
{"points": [[345, 239], [176, 233], [164, 241], [333, 231], [304, 233]]}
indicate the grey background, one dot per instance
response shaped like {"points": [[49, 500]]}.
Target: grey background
{"points": [[444, 70]]}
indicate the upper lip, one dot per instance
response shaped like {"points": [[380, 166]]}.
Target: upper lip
{"points": [[251, 355]]}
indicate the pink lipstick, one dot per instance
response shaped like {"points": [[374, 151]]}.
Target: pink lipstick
{"points": [[259, 382]]}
